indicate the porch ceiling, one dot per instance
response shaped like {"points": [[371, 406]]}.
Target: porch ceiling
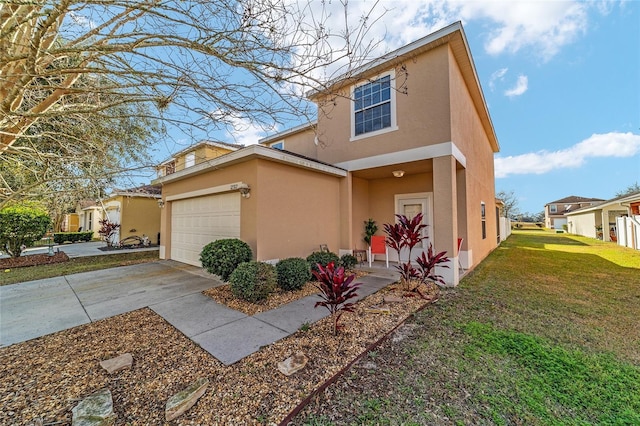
{"points": [[383, 172]]}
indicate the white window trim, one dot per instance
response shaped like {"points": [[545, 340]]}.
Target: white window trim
{"points": [[553, 208], [394, 125], [272, 145]]}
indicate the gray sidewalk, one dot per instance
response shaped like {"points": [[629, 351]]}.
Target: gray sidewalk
{"points": [[171, 289], [90, 248]]}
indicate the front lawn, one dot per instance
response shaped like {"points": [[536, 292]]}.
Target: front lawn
{"points": [[545, 331]]}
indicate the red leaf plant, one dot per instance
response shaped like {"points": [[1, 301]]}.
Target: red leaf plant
{"points": [[335, 289], [407, 233], [427, 265]]}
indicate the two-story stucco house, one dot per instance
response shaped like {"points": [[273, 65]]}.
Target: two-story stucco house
{"points": [[555, 211], [409, 132]]}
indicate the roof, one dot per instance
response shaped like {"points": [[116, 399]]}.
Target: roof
{"points": [[454, 36], [628, 198], [248, 153], [139, 191], [573, 199], [288, 132], [213, 144]]}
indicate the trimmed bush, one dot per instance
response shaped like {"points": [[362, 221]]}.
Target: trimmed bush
{"points": [[21, 226], [222, 257], [348, 261], [253, 281], [63, 237], [293, 273], [323, 258]]}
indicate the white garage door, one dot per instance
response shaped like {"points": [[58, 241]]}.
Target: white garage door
{"points": [[195, 222]]}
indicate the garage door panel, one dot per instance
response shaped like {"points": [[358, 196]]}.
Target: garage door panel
{"points": [[195, 222]]}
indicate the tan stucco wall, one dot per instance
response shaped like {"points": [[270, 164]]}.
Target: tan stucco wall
{"points": [[202, 153], [244, 172], [422, 114], [290, 211], [139, 216], [301, 143], [469, 136], [297, 211]]}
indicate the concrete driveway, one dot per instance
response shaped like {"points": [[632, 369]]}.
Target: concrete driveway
{"points": [[33, 309]]}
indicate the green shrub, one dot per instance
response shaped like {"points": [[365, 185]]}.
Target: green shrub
{"points": [[293, 273], [253, 281], [348, 261], [21, 225], [222, 257], [323, 258], [63, 237]]}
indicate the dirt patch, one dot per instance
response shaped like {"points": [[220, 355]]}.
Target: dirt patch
{"points": [[33, 260]]}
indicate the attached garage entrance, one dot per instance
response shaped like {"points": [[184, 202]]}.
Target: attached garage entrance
{"points": [[195, 222]]}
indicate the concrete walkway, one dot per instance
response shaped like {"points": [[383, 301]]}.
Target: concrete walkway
{"points": [[173, 290], [90, 248]]}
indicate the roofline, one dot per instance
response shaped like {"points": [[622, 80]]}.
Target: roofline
{"points": [[247, 153], [287, 132], [133, 194], [218, 144], [605, 203], [428, 42]]}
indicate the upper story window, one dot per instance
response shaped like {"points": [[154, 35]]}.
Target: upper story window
{"points": [[170, 168], [553, 208], [190, 160], [374, 106], [277, 145], [483, 216]]}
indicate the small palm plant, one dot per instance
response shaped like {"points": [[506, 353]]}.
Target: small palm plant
{"points": [[335, 289]]}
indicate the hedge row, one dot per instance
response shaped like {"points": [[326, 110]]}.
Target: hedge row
{"points": [[63, 237]]}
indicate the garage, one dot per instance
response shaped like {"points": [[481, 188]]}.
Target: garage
{"points": [[195, 222]]}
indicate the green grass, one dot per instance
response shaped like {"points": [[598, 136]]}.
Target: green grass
{"points": [[76, 265], [545, 331]]}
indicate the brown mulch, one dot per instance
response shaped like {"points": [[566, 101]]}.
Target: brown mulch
{"points": [[224, 296], [44, 378], [33, 260]]}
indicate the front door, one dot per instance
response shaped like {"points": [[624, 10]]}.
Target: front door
{"points": [[412, 204]]}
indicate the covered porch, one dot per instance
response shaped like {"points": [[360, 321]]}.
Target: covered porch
{"points": [[435, 187]]}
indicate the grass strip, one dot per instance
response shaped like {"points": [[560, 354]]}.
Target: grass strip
{"points": [[75, 265]]}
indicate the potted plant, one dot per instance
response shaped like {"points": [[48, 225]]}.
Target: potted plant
{"points": [[370, 229]]}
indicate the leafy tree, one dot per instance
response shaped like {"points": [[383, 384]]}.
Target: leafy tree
{"points": [[510, 201], [197, 65], [21, 226], [631, 189]]}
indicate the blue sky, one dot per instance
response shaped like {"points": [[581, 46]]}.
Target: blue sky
{"points": [[561, 79]]}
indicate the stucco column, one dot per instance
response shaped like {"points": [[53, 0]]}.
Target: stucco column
{"points": [[346, 213], [165, 231], [445, 215]]}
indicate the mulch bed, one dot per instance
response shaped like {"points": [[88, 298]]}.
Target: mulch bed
{"points": [[44, 378], [33, 260]]}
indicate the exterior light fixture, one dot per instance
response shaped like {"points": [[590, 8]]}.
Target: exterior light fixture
{"points": [[160, 203], [245, 192], [398, 173]]}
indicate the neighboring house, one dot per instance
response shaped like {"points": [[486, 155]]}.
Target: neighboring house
{"points": [[193, 155], [616, 220], [555, 211], [89, 215], [407, 133], [136, 210]]}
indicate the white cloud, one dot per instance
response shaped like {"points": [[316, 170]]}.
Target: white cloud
{"points": [[612, 144], [543, 27], [521, 86], [497, 76]]}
